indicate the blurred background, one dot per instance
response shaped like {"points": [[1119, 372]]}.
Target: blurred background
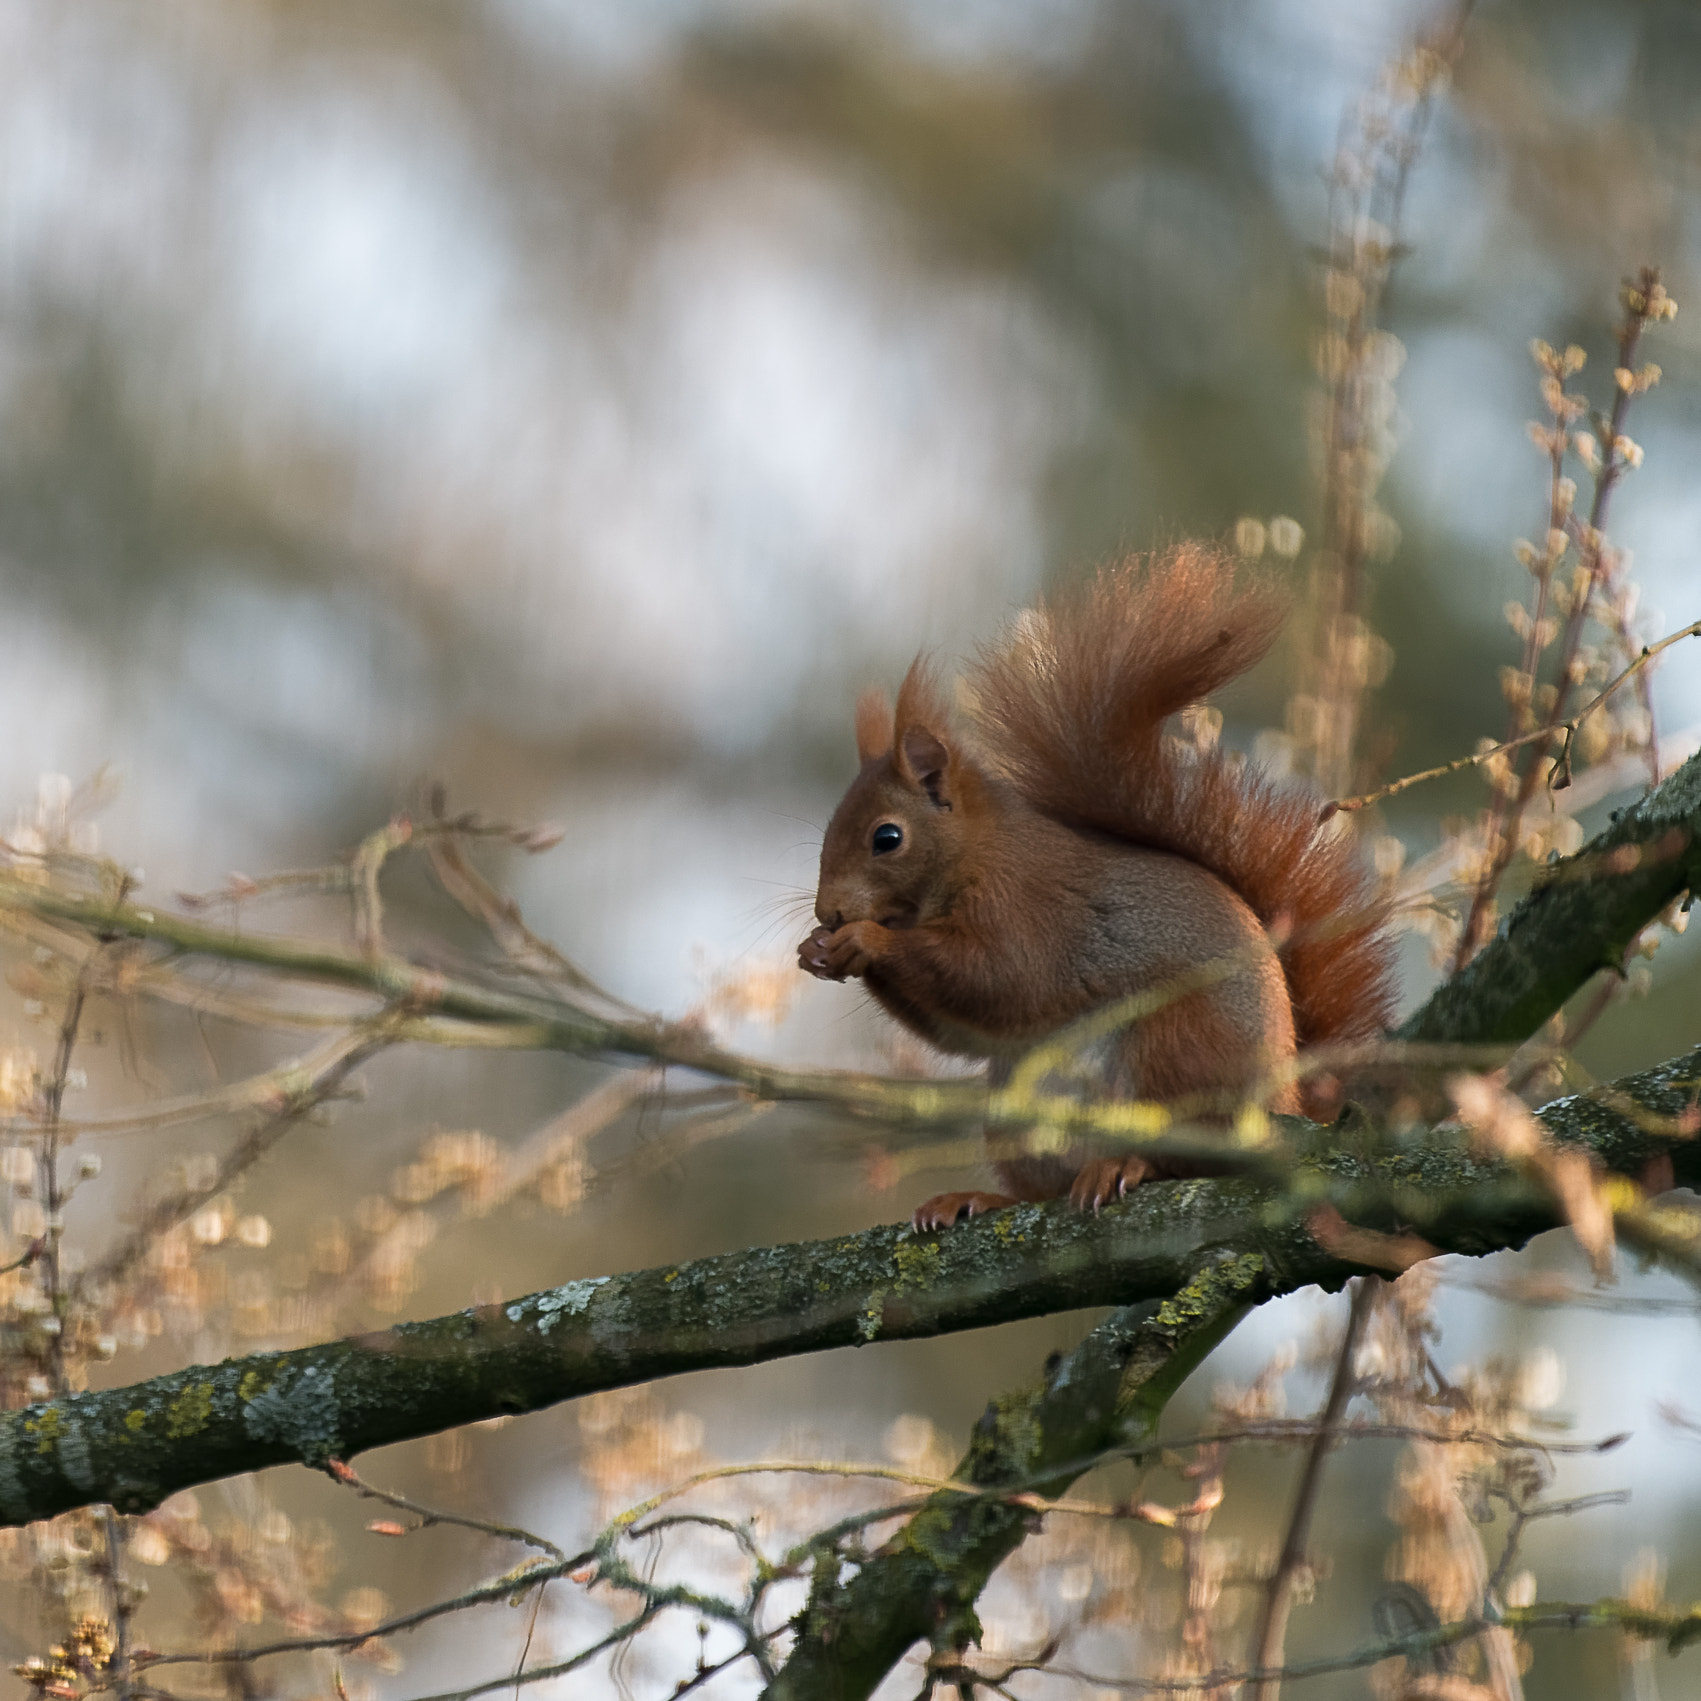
{"points": [[577, 402]]}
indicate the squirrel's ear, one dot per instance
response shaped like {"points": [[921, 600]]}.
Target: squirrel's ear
{"points": [[921, 754], [924, 760], [873, 725]]}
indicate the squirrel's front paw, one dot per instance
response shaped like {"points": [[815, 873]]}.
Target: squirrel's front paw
{"points": [[844, 953], [812, 954]]}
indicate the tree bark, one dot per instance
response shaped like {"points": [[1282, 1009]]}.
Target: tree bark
{"points": [[1578, 919], [134, 1446]]}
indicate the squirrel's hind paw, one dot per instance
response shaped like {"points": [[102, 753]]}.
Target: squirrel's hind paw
{"points": [[944, 1209], [1105, 1179]]}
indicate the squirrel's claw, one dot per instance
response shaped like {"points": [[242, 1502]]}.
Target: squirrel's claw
{"points": [[944, 1209], [812, 955], [1103, 1179]]}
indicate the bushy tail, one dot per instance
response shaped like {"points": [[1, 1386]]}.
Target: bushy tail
{"points": [[1072, 709]]}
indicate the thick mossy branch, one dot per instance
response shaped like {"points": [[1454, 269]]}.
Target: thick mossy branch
{"points": [[134, 1446], [1580, 918], [922, 1585]]}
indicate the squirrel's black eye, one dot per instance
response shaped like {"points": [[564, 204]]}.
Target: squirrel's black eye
{"points": [[887, 837]]}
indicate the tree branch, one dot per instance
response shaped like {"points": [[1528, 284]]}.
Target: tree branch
{"points": [[1271, 1634], [134, 1446], [1581, 916], [1586, 913], [1675, 1626], [924, 1582], [1580, 919]]}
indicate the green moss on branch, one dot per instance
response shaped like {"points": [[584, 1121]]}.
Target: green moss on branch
{"points": [[134, 1446], [1580, 919], [923, 1584]]}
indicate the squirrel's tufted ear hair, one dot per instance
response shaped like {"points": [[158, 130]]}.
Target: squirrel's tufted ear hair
{"points": [[873, 725], [921, 699]]}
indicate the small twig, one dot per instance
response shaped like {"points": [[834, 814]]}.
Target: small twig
{"points": [[1645, 302], [375, 850], [537, 1674], [1559, 776], [262, 1092], [704, 1673], [238, 889], [497, 1589], [316, 1079], [340, 1470], [762, 1575], [1022, 1491], [1674, 1625], [1545, 1293], [28, 1256], [1278, 1599], [740, 1533], [499, 913], [52, 1191], [123, 1606], [1523, 1516]]}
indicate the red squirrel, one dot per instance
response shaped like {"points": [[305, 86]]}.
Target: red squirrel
{"points": [[991, 885]]}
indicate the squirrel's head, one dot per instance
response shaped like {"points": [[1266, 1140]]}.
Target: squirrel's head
{"points": [[893, 852]]}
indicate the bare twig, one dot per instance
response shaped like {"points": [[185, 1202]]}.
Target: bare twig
{"points": [[1676, 1626], [1645, 302], [1356, 359], [619, 1635], [339, 1470], [499, 913], [1278, 1599], [1524, 1515], [311, 1083], [27, 1257], [120, 1668], [1559, 775], [375, 850], [503, 1588], [47, 1161], [1024, 1492]]}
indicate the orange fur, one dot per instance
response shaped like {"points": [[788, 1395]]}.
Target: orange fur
{"points": [[873, 724], [990, 891], [1074, 709]]}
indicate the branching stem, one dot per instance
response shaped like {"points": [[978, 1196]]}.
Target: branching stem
{"points": [[1278, 1598]]}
